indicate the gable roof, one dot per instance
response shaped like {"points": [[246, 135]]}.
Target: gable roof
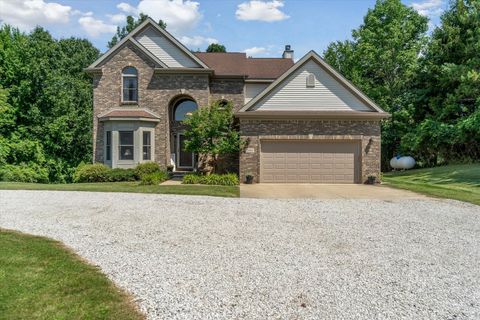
{"points": [[237, 64], [137, 30], [312, 55]]}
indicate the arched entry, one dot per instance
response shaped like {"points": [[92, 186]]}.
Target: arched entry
{"points": [[181, 108]]}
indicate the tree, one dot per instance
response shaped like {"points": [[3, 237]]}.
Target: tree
{"points": [[49, 100], [215, 47], [382, 60], [448, 90], [211, 132], [132, 23]]}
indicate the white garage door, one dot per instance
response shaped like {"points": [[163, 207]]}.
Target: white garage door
{"points": [[309, 162]]}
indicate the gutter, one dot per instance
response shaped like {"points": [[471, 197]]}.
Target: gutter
{"points": [[308, 115]]}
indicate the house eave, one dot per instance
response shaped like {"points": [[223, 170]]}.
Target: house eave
{"points": [[93, 70], [104, 119], [183, 70], [318, 115], [258, 80]]}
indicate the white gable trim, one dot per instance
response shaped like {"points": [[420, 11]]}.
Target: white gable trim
{"points": [[137, 30], [312, 55]]}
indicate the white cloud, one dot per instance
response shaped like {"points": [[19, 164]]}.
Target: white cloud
{"points": [[26, 14], [118, 18], [429, 8], [127, 8], [95, 27], [180, 15], [255, 51], [197, 41], [261, 10]]}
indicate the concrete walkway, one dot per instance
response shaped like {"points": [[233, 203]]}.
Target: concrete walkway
{"points": [[324, 191]]}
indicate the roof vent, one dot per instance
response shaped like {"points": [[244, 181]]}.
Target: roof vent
{"points": [[310, 80], [288, 53]]}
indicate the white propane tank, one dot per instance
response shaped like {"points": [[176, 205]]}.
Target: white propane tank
{"points": [[403, 163]]}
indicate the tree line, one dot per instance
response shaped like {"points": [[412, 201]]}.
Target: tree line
{"points": [[428, 81]]}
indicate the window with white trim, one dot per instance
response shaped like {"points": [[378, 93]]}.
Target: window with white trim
{"points": [[129, 84], [125, 145], [147, 145]]}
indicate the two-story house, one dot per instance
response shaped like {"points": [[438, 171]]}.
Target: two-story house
{"points": [[303, 121]]}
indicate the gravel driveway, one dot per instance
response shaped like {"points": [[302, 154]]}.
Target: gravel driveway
{"points": [[213, 258]]}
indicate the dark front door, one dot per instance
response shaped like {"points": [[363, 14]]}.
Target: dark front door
{"points": [[184, 158]]}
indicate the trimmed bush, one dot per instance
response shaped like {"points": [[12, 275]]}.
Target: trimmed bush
{"points": [[118, 175], [229, 179], [154, 178], [146, 168], [192, 178], [23, 173], [96, 172]]}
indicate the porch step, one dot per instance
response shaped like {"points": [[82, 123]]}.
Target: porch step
{"points": [[178, 175]]}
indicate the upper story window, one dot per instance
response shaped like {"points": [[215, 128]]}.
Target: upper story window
{"points": [[183, 109], [130, 84]]}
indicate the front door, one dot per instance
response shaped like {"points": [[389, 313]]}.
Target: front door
{"points": [[185, 159]]}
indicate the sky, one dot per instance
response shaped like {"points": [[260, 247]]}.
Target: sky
{"points": [[261, 28]]}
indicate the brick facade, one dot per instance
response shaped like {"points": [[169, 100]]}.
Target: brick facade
{"points": [[228, 89], [158, 92], [367, 133]]}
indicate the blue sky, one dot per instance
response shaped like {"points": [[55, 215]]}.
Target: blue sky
{"points": [[259, 27]]}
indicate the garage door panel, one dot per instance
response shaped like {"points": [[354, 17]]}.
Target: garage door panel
{"points": [[309, 161]]}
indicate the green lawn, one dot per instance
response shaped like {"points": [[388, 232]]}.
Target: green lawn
{"points": [[460, 182], [219, 191], [40, 279]]}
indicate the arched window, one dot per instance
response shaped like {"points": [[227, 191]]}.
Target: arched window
{"points": [[130, 84], [184, 108]]}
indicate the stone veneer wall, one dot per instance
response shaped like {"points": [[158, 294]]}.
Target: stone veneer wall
{"points": [[366, 132], [156, 92]]}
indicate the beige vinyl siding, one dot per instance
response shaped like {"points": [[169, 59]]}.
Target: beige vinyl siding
{"points": [[327, 94], [165, 50], [253, 89]]}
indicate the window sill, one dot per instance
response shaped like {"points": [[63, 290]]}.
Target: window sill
{"points": [[129, 103]]}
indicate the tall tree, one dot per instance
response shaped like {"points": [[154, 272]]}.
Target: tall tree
{"points": [[131, 24], [448, 108], [215, 47], [382, 60]]}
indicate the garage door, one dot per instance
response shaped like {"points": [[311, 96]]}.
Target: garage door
{"points": [[309, 162]]}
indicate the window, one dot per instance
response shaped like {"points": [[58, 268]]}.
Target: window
{"points": [[184, 108], [125, 145], [147, 145], [108, 146], [130, 84]]}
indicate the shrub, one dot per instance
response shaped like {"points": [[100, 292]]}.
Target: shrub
{"points": [[146, 168], [229, 179], [96, 172], [118, 175], [23, 173], [154, 178], [192, 178]]}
